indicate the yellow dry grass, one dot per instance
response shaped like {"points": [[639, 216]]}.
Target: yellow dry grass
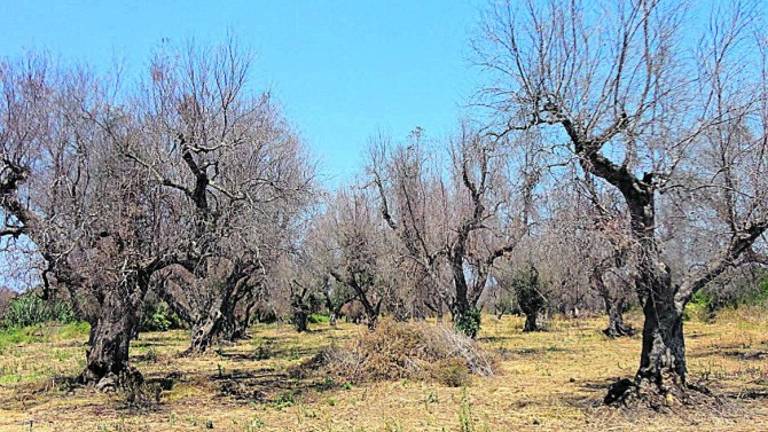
{"points": [[547, 381]]}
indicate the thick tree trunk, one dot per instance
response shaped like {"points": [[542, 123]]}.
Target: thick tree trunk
{"points": [[204, 333], [301, 311], [220, 324], [237, 318], [301, 320], [661, 378], [466, 318], [662, 360], [371, 311], [616, 326], [107, 355], [223, 321], [530, 322]]}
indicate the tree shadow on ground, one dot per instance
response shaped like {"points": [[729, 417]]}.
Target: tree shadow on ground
{"points": [[281, 388], [509, 354], [269, 352], [497, 339]]}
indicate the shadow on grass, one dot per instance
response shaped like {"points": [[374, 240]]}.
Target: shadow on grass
{"points": [[269, 352], [277, 388], [746, 355], [509, 354]]}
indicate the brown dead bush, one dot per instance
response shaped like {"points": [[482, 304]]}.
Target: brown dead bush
{"points": [[397, 350]]}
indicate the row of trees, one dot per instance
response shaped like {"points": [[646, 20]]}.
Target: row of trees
{"points": [[614, 156]]}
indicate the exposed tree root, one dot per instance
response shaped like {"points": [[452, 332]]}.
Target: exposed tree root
{"points": [[617, 331], [127, 378], [665, 397]]}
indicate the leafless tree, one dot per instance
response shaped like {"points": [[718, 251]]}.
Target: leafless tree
{"points": [[238, 174], [461, 216], [667, 129], [188, 184], [355, 250], [96, 222]]}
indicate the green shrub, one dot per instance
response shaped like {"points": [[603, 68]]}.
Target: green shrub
{"points": [[29, 309], [758, 296], [702, 307], [157, 316], [750, 291], [468, 323], [317, 318]]}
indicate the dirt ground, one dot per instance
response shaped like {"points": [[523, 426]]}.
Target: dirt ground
{"points": [[547, 381]]}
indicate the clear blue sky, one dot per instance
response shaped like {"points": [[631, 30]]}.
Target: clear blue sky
{"points": [[343, 70]]}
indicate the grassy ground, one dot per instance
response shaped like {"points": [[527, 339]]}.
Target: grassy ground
{"points": [[551, 380]]}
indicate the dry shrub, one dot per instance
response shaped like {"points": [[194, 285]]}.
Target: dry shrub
{"points": [[397, 350]]}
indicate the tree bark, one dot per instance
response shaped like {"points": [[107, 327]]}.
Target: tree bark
{"points": [[614, 307], [204, 333], [107, 359], [221, 323], [616, 326], [662, 360], [661, 378], [530, 322], [301, 320]]}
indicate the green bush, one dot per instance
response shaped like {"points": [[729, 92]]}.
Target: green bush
{"points": [[759, 296], [701, 307], [157, 316], [317, 318], [29, 309], [746, 291], [468, 323]]}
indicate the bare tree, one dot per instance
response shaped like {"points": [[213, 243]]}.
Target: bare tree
{"points": [[238, 174], [466, 221], [355, 251], [631, 91], [93, 219], [609, 253]]}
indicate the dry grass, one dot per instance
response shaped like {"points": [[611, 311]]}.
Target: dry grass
{"points": [[546, 381], [394, 351]]}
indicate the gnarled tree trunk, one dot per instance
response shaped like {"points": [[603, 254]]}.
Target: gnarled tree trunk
{"points": [[616, 326], [614, 307], [530, 322], [107, 358], [662, 359], [204, 332], [662, 376]]}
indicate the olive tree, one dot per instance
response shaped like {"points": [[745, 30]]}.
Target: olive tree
{"points": [[97, 223], [237, 173], [668, 124], [461, 213]]}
